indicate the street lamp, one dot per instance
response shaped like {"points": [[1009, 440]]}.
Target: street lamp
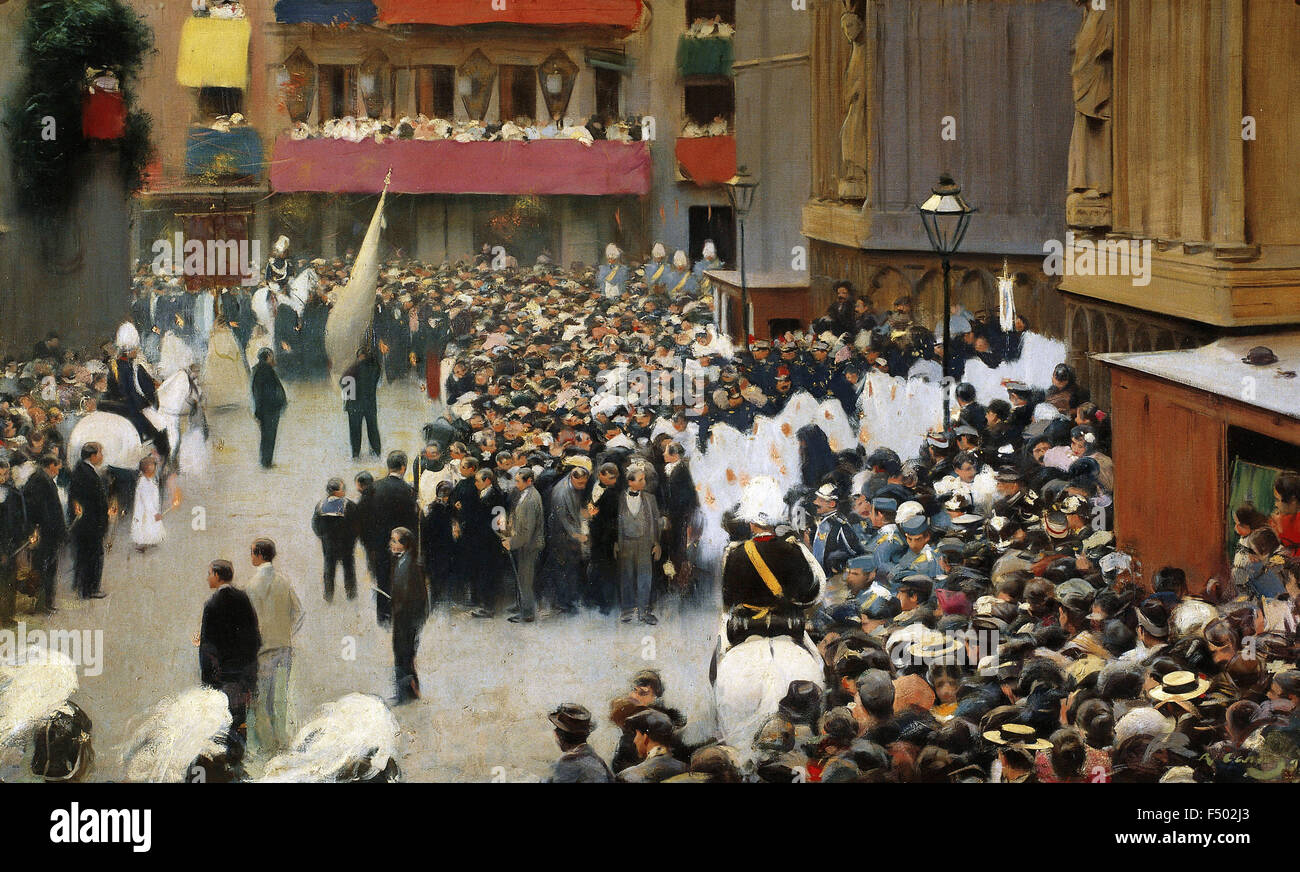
{"points": [[740, 191], [945, 216]]}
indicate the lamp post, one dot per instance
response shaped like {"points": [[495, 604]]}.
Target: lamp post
{"points": [[945, 216], [740, 191]]}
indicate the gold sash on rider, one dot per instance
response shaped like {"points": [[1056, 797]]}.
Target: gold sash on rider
{"points": [[682, 283], [751, 551]]}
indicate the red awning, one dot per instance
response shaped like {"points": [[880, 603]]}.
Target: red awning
{"points": [[454, 13], [707, 160], [448, 167]]}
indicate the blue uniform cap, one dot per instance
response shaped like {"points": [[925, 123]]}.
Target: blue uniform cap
{"points": [[884, 504], [865, 562], [915, 525]]}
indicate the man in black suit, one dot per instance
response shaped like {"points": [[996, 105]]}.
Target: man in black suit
{"points": [[269, 401], [88, 517], [410, 608], [359, 384], [392, 506], [679, 503], [14, 530], [45, 510], [228, 644], [334, 523]]}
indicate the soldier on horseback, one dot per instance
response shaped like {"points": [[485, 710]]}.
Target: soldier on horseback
{"points": [[768, 581], [132, 389]]}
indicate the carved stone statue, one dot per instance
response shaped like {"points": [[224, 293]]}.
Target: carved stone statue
{"points": [[1088, 204], [853, 132]]}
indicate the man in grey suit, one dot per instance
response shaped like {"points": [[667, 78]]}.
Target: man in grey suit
{"points": [[637, 547], [527, 537]]}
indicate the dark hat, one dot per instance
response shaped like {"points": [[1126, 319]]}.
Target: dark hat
{"points": [[1008, 474], [802, 702], [654, 723], [572, 718], [1153, 616], [919, 585], [839, 723], [1260, 355]]}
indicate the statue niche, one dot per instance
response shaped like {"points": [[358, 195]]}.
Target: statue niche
{"points": [[853, 132], [1090, 164]]}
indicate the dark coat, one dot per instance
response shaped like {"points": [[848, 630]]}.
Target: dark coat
{"points": [[229, 639], [393, 506], [364, 373], [334, 522], [268, 393], [410, 598], [45, 510], [88, 490]]}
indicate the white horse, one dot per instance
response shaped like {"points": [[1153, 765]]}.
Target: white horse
{"points": [[178, 395], [752, 678]]}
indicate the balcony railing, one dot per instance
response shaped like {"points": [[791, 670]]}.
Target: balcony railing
{"points": [[449, 167]]}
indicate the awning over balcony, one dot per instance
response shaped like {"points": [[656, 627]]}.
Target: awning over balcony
{"points": [[709, 56], [453, 13], [707, 160], [214, 53], [448, 167], [325, 11], [223, 154]]}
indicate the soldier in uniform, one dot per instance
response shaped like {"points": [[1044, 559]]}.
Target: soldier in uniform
{"points": [[833, 541], [768, 582], [681, 281], [656, 271], [708, 261], [761, 371], [131, 389], [919, 559], [612, 276], [782, 390], [278, 264], [818, 371]]}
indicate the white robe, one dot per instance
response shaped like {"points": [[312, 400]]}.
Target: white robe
{"points": [[145, 530]]}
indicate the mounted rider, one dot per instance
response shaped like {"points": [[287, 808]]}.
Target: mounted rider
{"points": [[131, 389], [769, 582]]}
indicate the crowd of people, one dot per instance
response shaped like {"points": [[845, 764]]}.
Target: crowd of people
{"points": [[964, 599]]}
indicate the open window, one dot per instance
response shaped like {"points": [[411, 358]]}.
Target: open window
{"points": [[476, 77], [723, 10], [214, 102], [435, 91], [609, 94], [557, 75], [338, 91], [375, 83], [707, 102], [517, 92]]}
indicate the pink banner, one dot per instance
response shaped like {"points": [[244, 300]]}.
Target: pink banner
{"points": [[447, 167]]}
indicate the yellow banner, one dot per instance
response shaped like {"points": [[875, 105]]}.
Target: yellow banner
{"points": [[214, 53]]}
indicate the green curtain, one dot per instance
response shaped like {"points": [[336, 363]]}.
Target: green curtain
{"points": [[710, 56], [1250, 483]]}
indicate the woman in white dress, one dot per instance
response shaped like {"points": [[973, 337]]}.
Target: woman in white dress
{"points": [[146, 520]]}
